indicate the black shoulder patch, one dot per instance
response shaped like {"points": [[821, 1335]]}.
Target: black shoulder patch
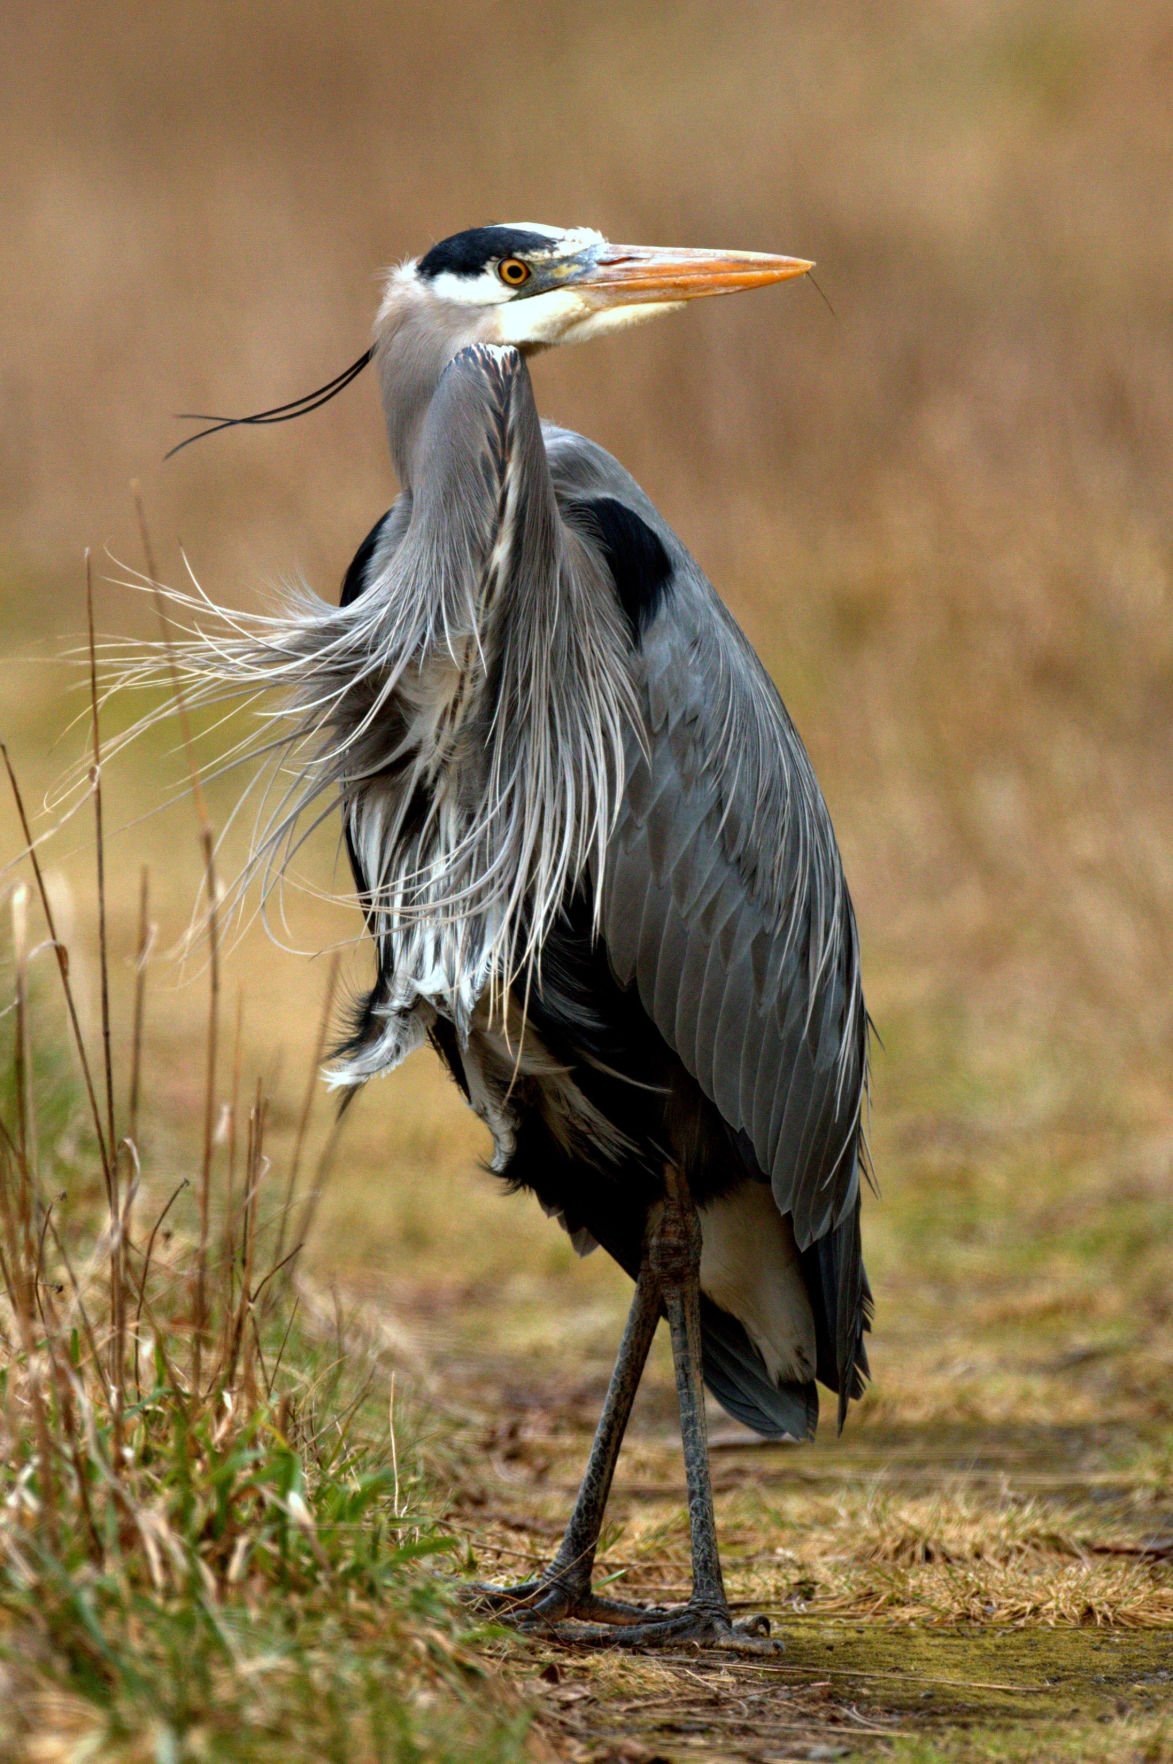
{"points": [[355, 579], [639, 564], [467, 254]]}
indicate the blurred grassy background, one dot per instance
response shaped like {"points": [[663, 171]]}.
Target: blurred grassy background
{"points": [[943, 515]]}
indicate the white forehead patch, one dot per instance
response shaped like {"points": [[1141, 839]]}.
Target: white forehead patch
{"points": [[566, 238], [529, 227]]}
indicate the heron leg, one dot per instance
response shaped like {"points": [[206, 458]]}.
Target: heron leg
{"points": [[575, 1559], [673, 1259], [679, 1249], [561, 1604], [565, 1588]]}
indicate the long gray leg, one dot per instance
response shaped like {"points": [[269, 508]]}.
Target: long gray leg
{"points": [[674, 1253], [575, 1560], [682, 1302], [565, 1589], [561, 1603]]}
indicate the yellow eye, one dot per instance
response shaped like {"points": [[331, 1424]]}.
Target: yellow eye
{"points": [[513, 272]]}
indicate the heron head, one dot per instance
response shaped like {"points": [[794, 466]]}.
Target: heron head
{"points": [[535, 286], [523, 284]]}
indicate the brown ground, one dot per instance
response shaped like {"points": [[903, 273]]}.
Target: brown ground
{"points": [[956, 1572]]}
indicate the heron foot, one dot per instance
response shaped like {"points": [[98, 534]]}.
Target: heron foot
{"points": [[490, 1600], [578, 1617], [537, 1604], [696, 1628]]}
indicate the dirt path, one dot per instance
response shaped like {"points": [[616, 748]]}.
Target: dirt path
{"points": [[962, 1591]]}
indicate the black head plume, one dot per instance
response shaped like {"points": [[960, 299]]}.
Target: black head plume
{"points": [[280, 413]]}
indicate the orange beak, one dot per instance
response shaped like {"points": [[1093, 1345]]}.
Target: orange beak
{"points": [[626, 274]]}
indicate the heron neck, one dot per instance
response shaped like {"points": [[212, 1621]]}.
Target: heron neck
{"points": [[414, 344]]}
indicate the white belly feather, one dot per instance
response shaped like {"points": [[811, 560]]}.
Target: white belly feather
{"points": [[750, 1267]]}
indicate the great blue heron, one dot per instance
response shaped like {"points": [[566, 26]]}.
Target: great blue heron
{"points": [[597, 869]]}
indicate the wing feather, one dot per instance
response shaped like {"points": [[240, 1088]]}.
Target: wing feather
{"points": [[724, 900]]}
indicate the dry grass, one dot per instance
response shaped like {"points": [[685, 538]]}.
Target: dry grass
{"points": [[944, 518], [214, 1539]]}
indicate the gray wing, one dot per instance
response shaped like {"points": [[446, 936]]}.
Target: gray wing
{"points": [[724, 902]]}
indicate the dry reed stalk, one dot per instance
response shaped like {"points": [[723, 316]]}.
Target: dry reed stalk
{"points": [[22, 1055], [258, 1166], [226, 1249], [25, 1112], [141, 961], [307, 1104], [254, 1164], [117, 1281], [322, 1171], [144, 1276], [129, 1196], [208, 848], [62, 956], [100, 860]]}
